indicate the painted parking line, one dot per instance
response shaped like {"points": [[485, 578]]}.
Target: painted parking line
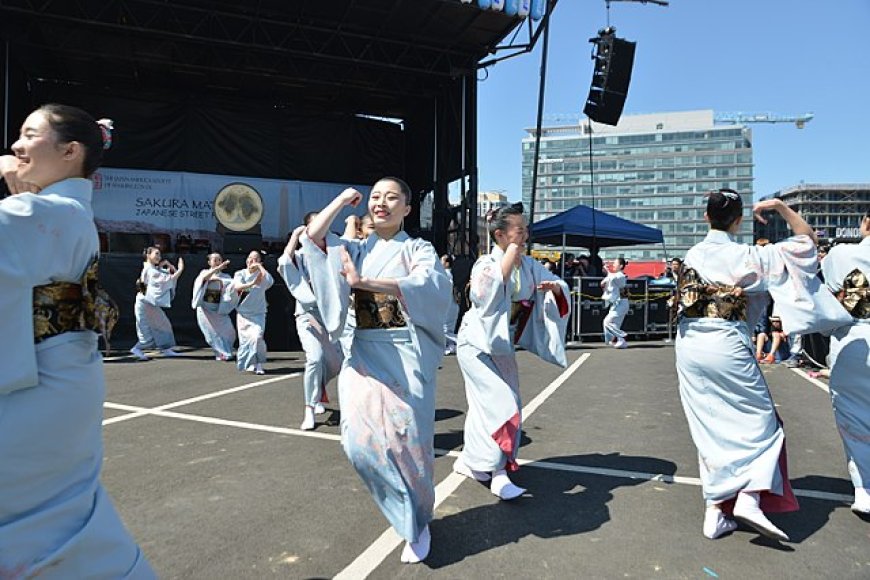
{"points": [[816, 382], [374, 555], [142, 411]]}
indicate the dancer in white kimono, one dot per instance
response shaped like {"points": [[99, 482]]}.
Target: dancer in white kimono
{"points": [[731, 415], [213, 300], [452, 312], [616, 296], [251, 284], [514, 300], [156, 290], [56, 519], [322, 356], [387, 384], [847, 273]]}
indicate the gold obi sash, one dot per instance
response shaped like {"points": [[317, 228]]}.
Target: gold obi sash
{"points": [[855, 295], [213, 293], [67, 307], [701, 300], [623, 292], [377, 310]]}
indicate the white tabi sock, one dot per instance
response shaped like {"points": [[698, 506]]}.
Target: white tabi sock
{"points": [[319, 409], [415, 552], [503, 487], [308, 419], [747, 510], [716, 524], [862, 501], [462, 469]]}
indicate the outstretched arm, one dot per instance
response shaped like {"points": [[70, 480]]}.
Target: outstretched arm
{"points": [[319, 226], [795, 221]]}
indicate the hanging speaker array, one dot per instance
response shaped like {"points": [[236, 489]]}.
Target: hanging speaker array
{"points": [[614, 59]]}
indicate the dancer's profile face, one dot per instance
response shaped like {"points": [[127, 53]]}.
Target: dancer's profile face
{"points": [[42, 159], [253, 258], [515, 232], [214, 260], [154, 257]]}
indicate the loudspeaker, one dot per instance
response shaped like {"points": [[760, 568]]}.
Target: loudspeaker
{"points": [[235, 243], [614, 59]]}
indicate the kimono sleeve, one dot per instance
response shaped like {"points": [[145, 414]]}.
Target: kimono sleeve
{"points": [[426, 291], [296, 282], [198, 290], [544, 334], [331, 290], [806, 306], [488, 295], [267, 280], [229, 297]]}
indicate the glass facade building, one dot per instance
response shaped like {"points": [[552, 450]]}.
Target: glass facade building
{"points": [[652, 169]]}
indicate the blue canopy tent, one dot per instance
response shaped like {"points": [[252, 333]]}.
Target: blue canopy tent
{"points": [[582, 226]]}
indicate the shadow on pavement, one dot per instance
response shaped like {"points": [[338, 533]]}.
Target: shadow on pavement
{"points": [[813, 513], [558, 503]]}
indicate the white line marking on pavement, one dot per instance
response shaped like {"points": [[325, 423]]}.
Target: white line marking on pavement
{"points": [[151, 411], [816, 382], [374, 555], [665, 478]]}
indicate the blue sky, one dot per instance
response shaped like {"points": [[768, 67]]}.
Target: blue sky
{"points": [[780, 56]]}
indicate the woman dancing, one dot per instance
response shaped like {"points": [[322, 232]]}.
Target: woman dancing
{"points": [[156, 291], [213, 300], [251, 284]]}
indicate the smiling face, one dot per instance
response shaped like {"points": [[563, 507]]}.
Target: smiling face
{"points": [[388, 206], [43, 160], [515, 232]]}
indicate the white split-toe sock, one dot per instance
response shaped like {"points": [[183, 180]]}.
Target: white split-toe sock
{"points": [[139, 353], [308, 419], [462, 469], [168, 352], [415, 552], [503, 487], [862, 501], [747, 510], [319, 409], [717, 524]]}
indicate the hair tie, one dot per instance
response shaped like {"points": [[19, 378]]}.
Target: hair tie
{"points": [[106, 126]]}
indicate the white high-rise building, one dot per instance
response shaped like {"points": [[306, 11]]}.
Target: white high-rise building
{"points": [[653, 169]]}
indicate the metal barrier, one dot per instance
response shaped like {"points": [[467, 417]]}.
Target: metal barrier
{"points": [[648, 311]]}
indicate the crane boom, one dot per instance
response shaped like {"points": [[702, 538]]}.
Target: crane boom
{"points": [[734, 118]]}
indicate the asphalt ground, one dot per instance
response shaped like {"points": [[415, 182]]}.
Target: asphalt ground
{"points": [[214, 480]]}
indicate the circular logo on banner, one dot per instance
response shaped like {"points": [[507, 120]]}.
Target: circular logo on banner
{"points": [[238, 207]]}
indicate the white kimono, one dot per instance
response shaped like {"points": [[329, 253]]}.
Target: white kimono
{"points": [[152, 325], [485, 351], [613, 285], [850, 364], [56, 520], [213, 301], [387, 383], [450, 316], [323, 356], [251, 319], [731, 415]]}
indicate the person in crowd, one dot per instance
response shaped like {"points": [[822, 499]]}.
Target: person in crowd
{"points": [[582, 268], [214, 300], [323, 356], [156, 289], [676, 266], [251, 284], [387, 382], [847, 272], [366, 226], [56, 519], [452, 313], [615, 296], [514, 300], [731, 416]]}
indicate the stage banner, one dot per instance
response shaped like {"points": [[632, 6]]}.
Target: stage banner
{"points": [[178, 203]]}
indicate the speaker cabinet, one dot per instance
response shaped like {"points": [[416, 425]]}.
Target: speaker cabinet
{"points": [[614, 59]]}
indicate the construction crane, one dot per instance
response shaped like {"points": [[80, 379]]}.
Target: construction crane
{"points": [[721, 118], [735, 118]]}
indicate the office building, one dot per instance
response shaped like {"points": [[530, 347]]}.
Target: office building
{"points": [[833, 210], [655, 169]]}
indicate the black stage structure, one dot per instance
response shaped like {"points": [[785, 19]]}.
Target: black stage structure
{"points": [[317, 90]]}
